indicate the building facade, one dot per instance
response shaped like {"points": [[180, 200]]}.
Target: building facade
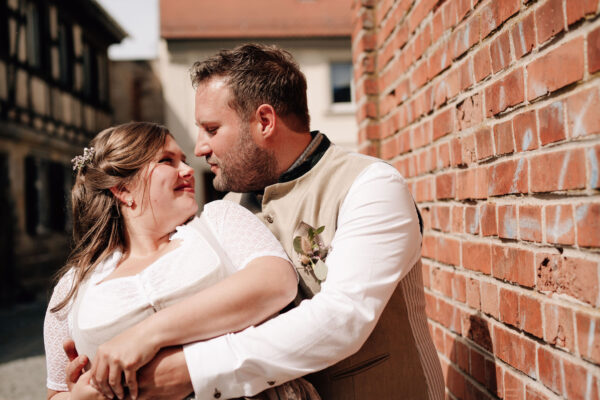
{"points": [[317, 33], [54, 97]]}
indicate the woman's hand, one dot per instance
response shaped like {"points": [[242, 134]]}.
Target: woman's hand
{"points": [[122, 355], [82, 390]]}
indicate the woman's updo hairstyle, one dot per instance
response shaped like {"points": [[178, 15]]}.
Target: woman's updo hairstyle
{"points": [[119, 154]]}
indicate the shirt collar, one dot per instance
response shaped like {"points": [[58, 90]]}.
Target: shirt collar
{"points": [[308, 159]]}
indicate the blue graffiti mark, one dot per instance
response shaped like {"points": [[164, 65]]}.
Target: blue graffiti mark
{"points": [[593, 167]]}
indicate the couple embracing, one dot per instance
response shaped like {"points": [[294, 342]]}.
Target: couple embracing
{"points": [[305, 283]]}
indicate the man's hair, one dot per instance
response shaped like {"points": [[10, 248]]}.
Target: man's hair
{"points": [[259, 74]]}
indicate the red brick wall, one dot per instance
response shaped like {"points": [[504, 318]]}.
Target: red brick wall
{"points": [[491, 110]]}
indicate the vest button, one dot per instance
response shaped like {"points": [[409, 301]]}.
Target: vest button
{"points": [[217, 394], [269, 218]]}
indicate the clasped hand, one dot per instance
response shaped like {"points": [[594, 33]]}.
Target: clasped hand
{"points": [[121, 356]]}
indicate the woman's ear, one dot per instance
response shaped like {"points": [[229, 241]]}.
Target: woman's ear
{"points": [[266, 119], [121, 193]]}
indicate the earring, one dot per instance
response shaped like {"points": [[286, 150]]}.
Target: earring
{"points": [[129, 203]]}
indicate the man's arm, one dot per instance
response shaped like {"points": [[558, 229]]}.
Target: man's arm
{"points": [[376, 244]]}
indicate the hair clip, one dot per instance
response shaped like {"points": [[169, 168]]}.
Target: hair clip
{"points": [[80, 161]]}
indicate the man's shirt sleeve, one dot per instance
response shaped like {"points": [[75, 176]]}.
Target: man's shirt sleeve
{"points": [[376, 244]]}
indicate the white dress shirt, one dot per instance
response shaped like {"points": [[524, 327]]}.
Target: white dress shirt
{"points": [[376, 244]]}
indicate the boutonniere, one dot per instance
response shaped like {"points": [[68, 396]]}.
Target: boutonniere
{"points": [[312, 251]]}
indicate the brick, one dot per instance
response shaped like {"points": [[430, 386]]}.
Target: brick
{"points": [[442, 281], [530, 223], [477, 360], [525, 131], [466, 72], [509, 307], [513, 265], [558, 326], [469, 112], [455, 382], [444, 185], [477, 256], [505, 93], [577, 9], [448, 251], [514, 388], [500, 51], [494, 13], [561, 170], [515, 350], [458, 220], [549, 19], [587, 217], [583, 113], [532, 393], [488, 219], [473, 294], [592, 160], [483, 143], [472, 183], [476, 328], [507, 221], [483, 63], [439, 60], [508, 177], [467, 144], [550, 371], [503, 138], [593, 49], [472, 220], [462, 355], [560, 228], [580, 279], [443, 123], [423, 189], [552, 125], [448, 315], [437, 25], [523, 35], [443, 155], [465, 37], [557, 68], [588, 336], [441, 218], [489, 299], [459, 288], [421, 9], [530, 315]]}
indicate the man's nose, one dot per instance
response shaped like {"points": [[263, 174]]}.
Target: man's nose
{"points": [[202, 147]]}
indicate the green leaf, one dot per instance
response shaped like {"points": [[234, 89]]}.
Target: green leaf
{"points": [[298, 245], [320, 229]]}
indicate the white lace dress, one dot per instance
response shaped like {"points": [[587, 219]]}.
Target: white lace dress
{"points": [[103, 309]]}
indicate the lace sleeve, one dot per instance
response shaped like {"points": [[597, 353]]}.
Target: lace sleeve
{"points": [[56, 331], [243, 236]]}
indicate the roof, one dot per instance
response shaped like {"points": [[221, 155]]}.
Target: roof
{"points": [[221, 19]]}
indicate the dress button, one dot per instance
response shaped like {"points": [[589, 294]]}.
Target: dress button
{"points": [[270, 383], [269, 219], [217, 394]]}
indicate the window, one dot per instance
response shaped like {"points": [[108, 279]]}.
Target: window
{"points": [[38, 46], [4, 38], [341, 82], [65, 54], [32, 216], [90, 72]]}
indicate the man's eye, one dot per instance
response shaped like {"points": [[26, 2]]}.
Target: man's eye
{"points": [[212, 130]]}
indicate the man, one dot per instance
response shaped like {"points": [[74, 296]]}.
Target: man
{"points": [[347, 222]]}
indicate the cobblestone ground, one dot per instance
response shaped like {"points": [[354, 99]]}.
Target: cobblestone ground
{"points": [[22, 361]]}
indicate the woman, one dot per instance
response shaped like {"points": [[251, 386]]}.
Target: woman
{"points": [[145, 272]]}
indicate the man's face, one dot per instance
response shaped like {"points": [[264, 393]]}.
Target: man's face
{"points": [[226, 141]]}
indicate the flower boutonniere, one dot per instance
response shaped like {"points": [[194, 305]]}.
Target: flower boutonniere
{"points": [[312, 251]]}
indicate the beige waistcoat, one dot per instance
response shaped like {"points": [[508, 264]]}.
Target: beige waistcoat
{"points": [[398, 360]]}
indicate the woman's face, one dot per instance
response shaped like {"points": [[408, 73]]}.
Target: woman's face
{"points": [[168, 196]]}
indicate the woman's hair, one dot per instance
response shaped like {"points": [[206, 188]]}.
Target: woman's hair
{"points": [[120, 154], [258, 74]]}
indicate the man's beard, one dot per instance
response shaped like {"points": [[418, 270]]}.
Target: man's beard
{"points": [[246, 167]]}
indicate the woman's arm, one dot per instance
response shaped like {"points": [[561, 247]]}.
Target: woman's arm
{"points": [[248, 297]]}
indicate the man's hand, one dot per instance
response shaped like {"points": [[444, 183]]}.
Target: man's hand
{"points": [[165, 377], [76, 363]]}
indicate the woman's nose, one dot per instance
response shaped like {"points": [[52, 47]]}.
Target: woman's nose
{"points": [[185, 170]]}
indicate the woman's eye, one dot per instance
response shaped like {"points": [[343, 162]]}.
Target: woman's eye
{"points": [[166, 160]]}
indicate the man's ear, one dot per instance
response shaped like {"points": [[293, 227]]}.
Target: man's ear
{"points": [[266, 118], [121, 193]]}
